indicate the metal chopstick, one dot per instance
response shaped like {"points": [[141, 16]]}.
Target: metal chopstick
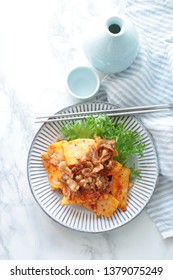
{"points": [[108, 112]]}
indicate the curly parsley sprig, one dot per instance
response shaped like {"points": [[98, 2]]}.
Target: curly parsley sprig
{"points": [[128, 142]]}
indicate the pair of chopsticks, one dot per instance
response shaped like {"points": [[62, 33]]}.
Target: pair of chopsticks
{"points": [[110, 112]]}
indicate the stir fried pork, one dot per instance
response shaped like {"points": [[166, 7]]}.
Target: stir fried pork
{"points": [[91, 176]]}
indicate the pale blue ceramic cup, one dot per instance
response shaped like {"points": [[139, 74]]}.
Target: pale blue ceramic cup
{"points": [[83, 82]]}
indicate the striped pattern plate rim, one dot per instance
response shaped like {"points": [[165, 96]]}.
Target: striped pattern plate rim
{"points": [[76, 217]]}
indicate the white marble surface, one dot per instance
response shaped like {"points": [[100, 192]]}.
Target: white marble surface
{"points": [[40, 41]]}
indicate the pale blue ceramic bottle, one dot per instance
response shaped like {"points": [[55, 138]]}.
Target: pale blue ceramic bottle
{"points": [[114, 47]]}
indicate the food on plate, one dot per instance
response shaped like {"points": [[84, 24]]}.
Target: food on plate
{"points": [[89, 166], [87, 174]]}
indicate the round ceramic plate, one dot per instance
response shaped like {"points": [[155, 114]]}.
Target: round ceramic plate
{"points": [[77, 217]]}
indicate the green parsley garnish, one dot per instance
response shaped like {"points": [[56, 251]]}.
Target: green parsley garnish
{"points": [[128, 142]]}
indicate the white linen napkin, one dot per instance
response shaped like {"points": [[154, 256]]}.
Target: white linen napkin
{"points": [[149, 81]]}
